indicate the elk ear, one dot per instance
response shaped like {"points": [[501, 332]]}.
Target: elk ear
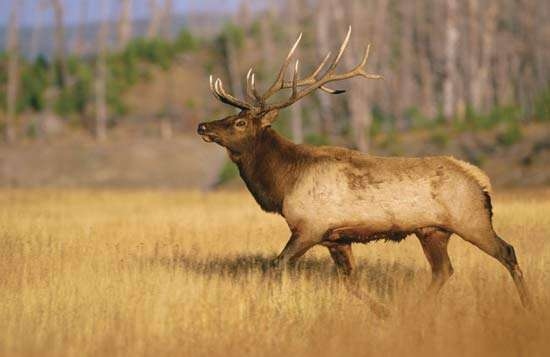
{"points": [[269, 117]]}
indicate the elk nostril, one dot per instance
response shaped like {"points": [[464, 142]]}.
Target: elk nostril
{"points": [[201, 129]]}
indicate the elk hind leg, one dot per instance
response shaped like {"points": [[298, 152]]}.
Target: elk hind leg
{"points": [[434, 243], [489, 242]]}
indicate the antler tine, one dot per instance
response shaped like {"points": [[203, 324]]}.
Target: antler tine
{"points": [[341, 51], [253, 86], [311, 83], [249, 93], [228, 98], [295, 79], [212, 88], [360, 66], [369, 75], [279, 82], [313, 77], [329, 76], [321, 65], [332, 91]]}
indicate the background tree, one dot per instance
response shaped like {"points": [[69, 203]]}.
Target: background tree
{"points": [[450, 76], [13, 71], [125, 27], [101, 75]]}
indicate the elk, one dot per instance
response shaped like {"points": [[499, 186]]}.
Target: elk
{"points": [[334, 196]]}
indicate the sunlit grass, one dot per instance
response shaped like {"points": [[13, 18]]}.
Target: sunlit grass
{"points": [[187, 273]]}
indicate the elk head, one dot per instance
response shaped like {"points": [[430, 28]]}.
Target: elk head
{"points": [[238, 132]]}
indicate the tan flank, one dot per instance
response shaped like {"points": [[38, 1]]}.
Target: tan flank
{"points": [[335, 197]]}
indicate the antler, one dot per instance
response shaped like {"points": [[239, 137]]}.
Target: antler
{"points": [[258, 102]]}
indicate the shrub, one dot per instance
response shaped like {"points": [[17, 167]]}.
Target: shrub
{"points": [[542, 105], [440, 139], [511, 134], [316, 139], [228, 172]]}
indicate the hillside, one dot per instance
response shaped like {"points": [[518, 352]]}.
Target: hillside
{"points": [[186, 162]]}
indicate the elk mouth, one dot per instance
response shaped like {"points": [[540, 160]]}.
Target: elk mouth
{"points": [[210, 138]]}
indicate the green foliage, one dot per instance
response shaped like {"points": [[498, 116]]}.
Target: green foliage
{"points": [[511, 134], [185, 41], [316, 139], [440, 138], [33, 83], [228, 172], [381, 122], [417, 119], [542, 105], [190, 103], [499, 114], [233, 34], [75, 92]]}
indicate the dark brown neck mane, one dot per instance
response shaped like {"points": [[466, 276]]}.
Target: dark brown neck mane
{"points": [[270, 168]]}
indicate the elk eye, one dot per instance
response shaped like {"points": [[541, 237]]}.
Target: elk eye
{"points": [[240, 123]]}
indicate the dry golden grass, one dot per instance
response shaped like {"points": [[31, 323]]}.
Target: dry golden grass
{"points": [[185, 273]]}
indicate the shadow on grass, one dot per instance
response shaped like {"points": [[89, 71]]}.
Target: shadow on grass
{"points": [[381, 277]]}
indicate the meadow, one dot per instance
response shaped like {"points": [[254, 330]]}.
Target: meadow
{"points": [[129, 272]]}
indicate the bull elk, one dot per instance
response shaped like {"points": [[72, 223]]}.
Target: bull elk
{"points": [[334, 196]]}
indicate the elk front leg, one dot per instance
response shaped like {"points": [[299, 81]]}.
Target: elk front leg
{"points": [[296, 246], [338, 241]]}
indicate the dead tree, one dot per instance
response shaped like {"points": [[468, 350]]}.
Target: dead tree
{"points": [[451, 39], [168, 114], [155, 13], [13, 71], [296, 124], [125, 23], [101, 75], [59, 41], [80, 40], [482, 22], [323, 42]]}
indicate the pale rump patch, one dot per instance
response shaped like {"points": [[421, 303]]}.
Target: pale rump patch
{"points": [[476, 173]]}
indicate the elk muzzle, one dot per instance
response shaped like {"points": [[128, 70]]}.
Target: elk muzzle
{"points": [[205, 133]]}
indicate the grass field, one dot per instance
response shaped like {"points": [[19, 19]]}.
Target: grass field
{"points": [[186, 273]]}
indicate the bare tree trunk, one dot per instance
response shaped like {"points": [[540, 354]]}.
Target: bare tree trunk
{"points": [[427, 98], [451, 39], [59, 40], [167, 18], [36, 30], [125, 23], [155, 13], [13, 72], [296, 109], [79, 44], [233, 69], [268, 48], [407, 90], [481, 51], [360, 111], [244, 13], [322, 27], [167, 116], [101, 75]]}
